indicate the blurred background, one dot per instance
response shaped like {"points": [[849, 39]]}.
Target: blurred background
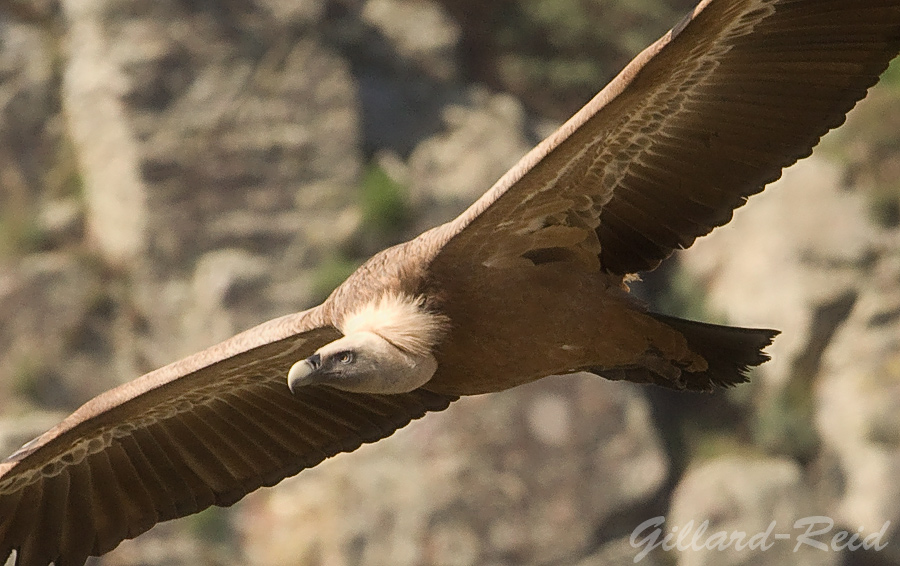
{"points": [[173, 172]]}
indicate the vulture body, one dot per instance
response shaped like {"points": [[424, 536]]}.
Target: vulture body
{"points": [[529, 281]]}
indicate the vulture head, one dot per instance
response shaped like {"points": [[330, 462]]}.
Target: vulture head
{"points": [[387, 348]]}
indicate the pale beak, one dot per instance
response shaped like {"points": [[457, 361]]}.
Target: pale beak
{"points": [[301, 373]]}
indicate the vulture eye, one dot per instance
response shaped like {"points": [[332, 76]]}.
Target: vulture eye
{"points": [[345, 357]]}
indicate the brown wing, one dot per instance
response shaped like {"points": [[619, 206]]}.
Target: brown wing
{"points": [[700, 120], [203, 431]]}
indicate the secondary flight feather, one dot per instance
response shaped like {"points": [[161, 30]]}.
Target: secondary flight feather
{"points": [[530, 281]]}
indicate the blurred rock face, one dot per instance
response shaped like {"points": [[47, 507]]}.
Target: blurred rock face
{"points": [[174, 172], [744, 495], [836, 296], [210, 120]]}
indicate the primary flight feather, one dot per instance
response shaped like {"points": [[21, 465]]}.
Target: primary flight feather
{"points": [[528, 282]]}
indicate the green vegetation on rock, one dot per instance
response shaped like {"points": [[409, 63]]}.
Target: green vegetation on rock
{"points": [[384, 203]]}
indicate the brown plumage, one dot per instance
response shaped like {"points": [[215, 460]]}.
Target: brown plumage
{"points": [[528, 282]]}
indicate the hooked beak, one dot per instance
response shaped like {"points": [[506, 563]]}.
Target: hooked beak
{"points": [[303, 371]]}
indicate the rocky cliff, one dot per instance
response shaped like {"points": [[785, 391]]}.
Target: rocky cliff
{"points": [[173, 172]]}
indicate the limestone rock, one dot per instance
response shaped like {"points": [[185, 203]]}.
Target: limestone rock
{"points": [[54, 310], [178, 134], [421, 33], [31, 131], [483, 137], [61, 222], [295, 12], [621, 552], [742, 495], [858, 399]]}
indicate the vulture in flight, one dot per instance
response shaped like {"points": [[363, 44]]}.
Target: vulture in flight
{"points": [[530, 281]]}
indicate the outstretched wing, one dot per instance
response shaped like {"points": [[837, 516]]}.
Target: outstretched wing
{"points": [[203, 431], [700, 120]]}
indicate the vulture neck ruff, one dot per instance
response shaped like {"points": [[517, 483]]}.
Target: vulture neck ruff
{"points": [[401, 320]]}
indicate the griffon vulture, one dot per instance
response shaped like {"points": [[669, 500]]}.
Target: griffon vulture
{"points": [[528, 282]]}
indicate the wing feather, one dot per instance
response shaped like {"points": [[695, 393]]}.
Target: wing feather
{"points": [[24, 512], [77, 536], [153, 489], [204, 431], [49, 519], [698, 122]]}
